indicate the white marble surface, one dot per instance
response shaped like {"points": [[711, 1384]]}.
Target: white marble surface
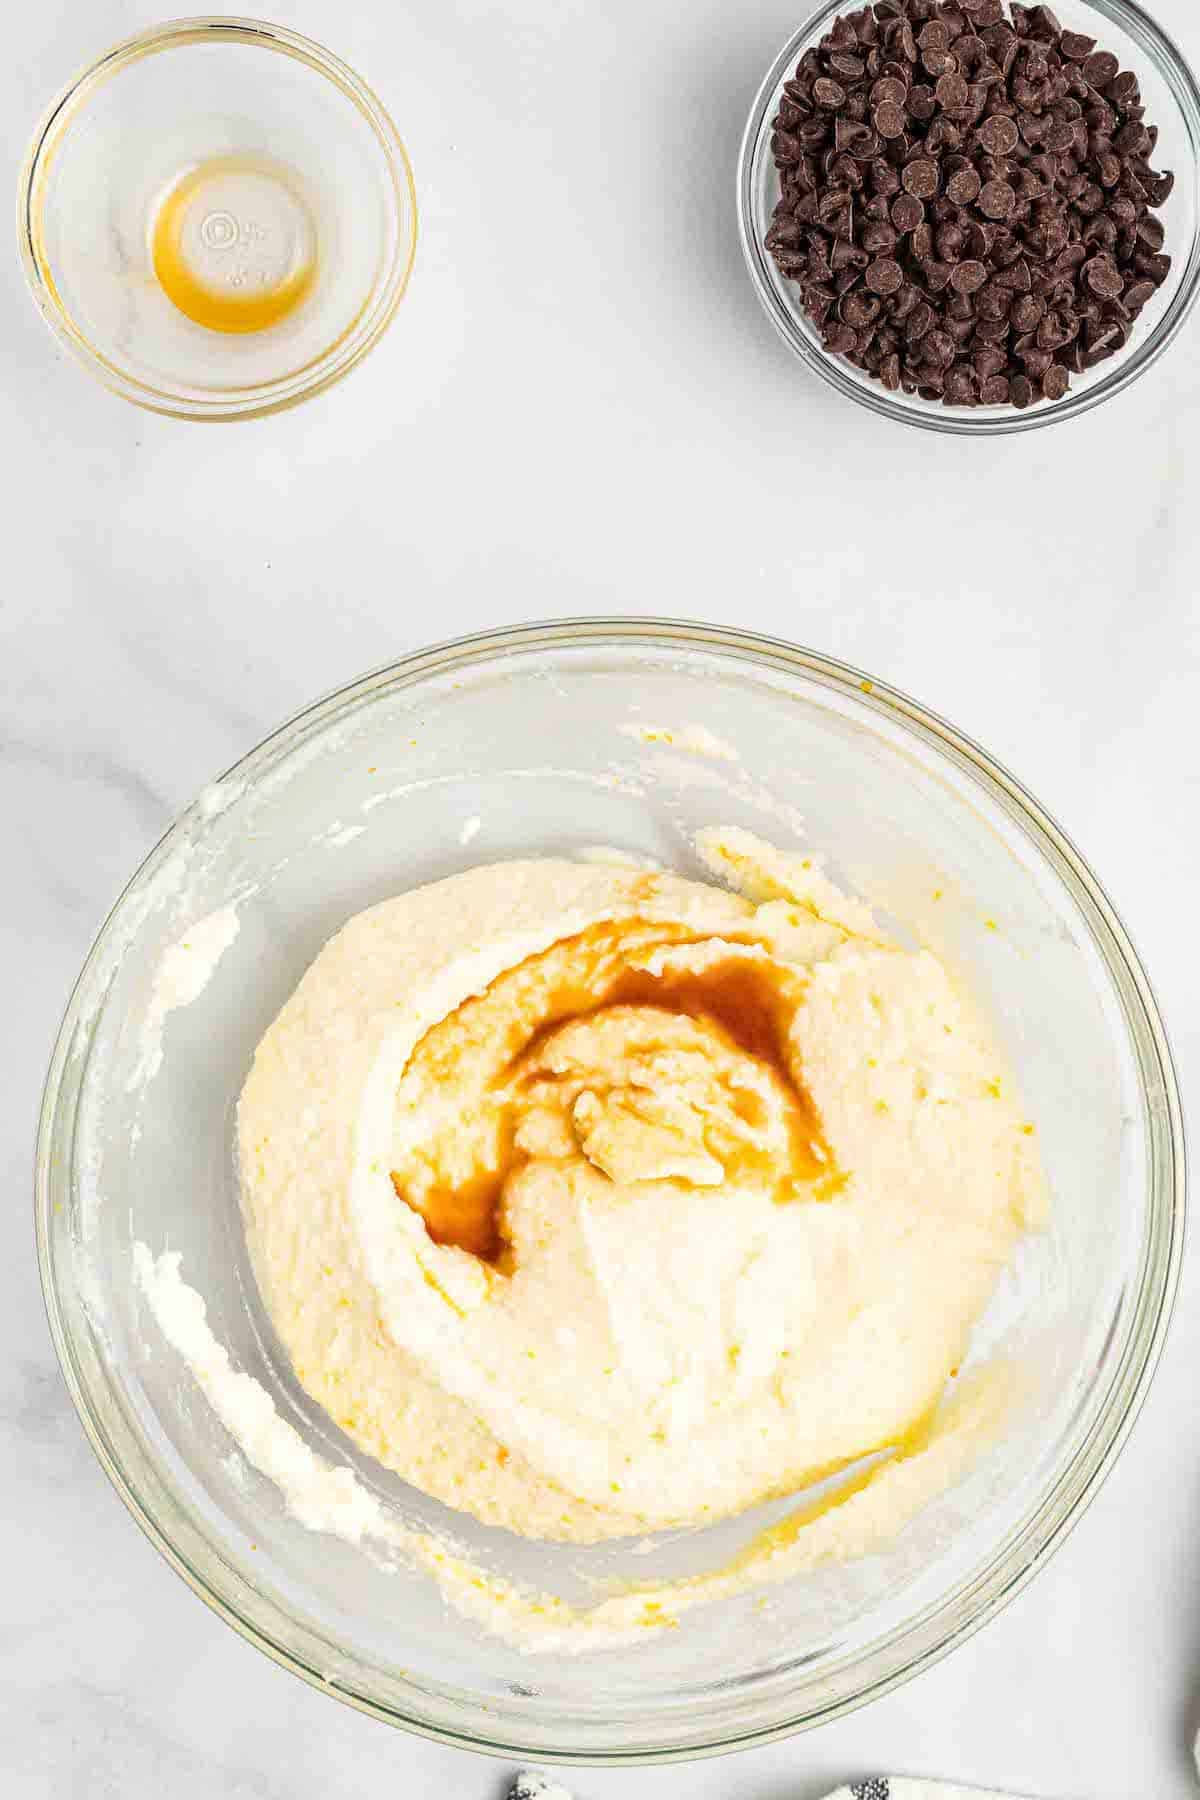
{"points": [[579, 409]]}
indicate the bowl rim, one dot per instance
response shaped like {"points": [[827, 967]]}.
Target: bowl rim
{"points": [[787, 318], [1048, 1525], [369, 323]]}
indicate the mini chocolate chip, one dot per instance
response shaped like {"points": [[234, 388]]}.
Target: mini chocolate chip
{"points": [[887, 91], [960, 389], [1046, 22], [968, 277], [964, 187], [997, 200], [1021, 392], [858, 309], [1036, 361], [920, 179], [840, 339], [1027, 313], [939, 348], [1055, 382], [828, 93], [889, 120], [999, 135], [884, 276], [995, 391], [1104, 278], [1135, 297], [1100, 67], [1017, 275], [907, 212], [951, 92], [903, 302], [1075, 47], [1154, 268], [879, 238], [1123, 90], [934, 36], [1057, 141]]}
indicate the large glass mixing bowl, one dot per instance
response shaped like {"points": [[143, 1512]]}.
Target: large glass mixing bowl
{"points": [[531, 741]]}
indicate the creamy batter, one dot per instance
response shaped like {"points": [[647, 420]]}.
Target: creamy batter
{"points": [[594, 1200]]}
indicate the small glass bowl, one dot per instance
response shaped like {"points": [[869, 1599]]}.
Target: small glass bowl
{"points": [[1172, 103], [324, 159]]}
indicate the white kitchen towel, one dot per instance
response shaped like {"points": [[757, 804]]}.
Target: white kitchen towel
{"points": [[530, 1786]]}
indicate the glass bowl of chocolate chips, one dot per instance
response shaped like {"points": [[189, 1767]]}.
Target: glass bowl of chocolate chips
{"points": [[973, 215]]}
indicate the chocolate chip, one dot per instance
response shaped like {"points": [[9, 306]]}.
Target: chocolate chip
{"points": [[1135, 297], [989, 361], [951, 92], [889, 119], [887, 91], [997, 200], [858, 309], [968, 277], [960, 389], [1104, 278], [964, 187], [920, 179], [979, 236], [939, 348], [1100, 67], [1154, 268], [907, 212], [841, 340], [884, 276], [1075, 47], [828, 93], [993, 301], [1057, 141], [999, 135]]}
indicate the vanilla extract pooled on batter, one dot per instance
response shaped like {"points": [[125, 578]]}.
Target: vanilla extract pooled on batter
{"points": [[743, 998]]}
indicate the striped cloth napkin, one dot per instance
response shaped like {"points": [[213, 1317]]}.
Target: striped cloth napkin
{"points": [[530, 1786]]}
